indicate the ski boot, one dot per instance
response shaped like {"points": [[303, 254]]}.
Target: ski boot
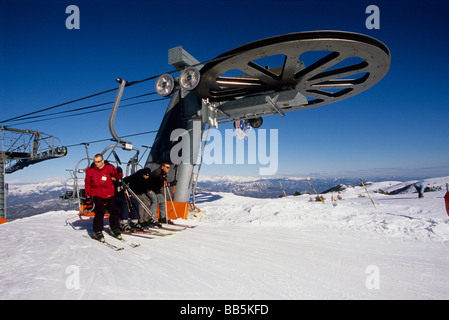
{"points": [[126, 228], [136, 226], [98, 236], [116, 234], [166, 220]]}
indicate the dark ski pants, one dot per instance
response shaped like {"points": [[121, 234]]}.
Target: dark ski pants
{"points": [[100, 209], [127, 209]]}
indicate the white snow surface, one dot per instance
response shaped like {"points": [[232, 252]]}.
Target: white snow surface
{"points": [[246, 248]]}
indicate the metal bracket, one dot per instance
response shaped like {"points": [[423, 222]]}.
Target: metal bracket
{"points": [[209, 113], [180, 59], [126, 145], [272, 102]]}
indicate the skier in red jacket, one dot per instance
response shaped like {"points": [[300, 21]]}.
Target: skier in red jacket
{"points": [[99, 185]]}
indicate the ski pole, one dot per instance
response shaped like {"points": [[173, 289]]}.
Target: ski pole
{"points": [[165, 199], [152, 217], [173, 205], [176, 174], [315, 190], [368, 193], [128, 201]]}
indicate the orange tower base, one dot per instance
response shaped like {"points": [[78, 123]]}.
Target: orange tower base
{"points": [[175, 210]]}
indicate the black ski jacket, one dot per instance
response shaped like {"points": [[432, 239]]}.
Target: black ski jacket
{"points": [[137, 182], [157, 178]]}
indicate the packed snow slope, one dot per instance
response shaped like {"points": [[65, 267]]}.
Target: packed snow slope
{"points": [[246, 248]]}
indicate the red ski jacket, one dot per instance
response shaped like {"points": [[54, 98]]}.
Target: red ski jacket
{"points": [[98, 182]]}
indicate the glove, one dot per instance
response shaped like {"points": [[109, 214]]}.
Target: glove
{"points": [[173, 183]]}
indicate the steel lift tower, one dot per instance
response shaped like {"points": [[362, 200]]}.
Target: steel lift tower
{"points": [[313, 69], [20, 148]]}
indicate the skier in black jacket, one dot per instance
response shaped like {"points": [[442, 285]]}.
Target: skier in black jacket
{"points": [[139, 182], [157, 180]]}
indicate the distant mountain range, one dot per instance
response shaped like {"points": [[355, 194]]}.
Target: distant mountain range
{"points": [[274, 187], [27, 199]]}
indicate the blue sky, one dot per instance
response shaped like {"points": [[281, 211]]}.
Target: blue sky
{"points": [[398, 127]]}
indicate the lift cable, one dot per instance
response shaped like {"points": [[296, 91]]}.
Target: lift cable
{"points": [[85, 113], [114, 89], [17, 118], [109, 139], [58, 105], [79, 109]]}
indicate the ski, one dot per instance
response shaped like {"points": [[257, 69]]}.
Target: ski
{"points": [[149, 232], [131, 244], [183, 225], [107, 244], [169, 227], [165, 228]]}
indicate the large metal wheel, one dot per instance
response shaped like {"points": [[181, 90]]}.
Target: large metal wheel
{"points": [[324, 66]]}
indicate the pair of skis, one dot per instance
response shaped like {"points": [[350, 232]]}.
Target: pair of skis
{"points": [[113, 246], [154, 231], [159, 231], [153, 216]]}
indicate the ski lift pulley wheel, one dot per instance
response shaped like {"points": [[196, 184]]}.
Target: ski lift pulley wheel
{"points": [[346, 63]]}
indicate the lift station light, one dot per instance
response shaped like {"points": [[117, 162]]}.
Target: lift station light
{"points": [[189, 78], [165, 85]]}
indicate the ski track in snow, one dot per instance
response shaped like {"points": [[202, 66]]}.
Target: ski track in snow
{"points": [[287, 248]]}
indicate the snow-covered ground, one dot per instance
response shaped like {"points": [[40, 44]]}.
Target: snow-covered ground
{"points": [[285, 248]]}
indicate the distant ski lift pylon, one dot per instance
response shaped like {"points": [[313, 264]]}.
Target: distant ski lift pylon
{"points": [[20, 148]]}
